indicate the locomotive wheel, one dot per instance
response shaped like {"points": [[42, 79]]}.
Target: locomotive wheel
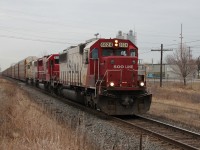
{"points": [[51, 89], [37, 84], [32, 82], [92, 105], [46, 86], [56, 91], [94, 101], [60, 90], [85, 101], [89, 102]]}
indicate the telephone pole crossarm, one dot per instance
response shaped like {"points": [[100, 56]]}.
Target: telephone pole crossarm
{"points": [[163, 50]]}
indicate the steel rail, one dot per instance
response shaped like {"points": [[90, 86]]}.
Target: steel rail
{"points": [[170, 126], [160, 136]]}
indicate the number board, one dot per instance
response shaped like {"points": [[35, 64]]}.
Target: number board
{"points": [[124, 45], [106, 44], [56, 57]]}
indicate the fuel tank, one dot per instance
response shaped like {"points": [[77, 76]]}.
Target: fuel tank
{"points": [[73, 95]]}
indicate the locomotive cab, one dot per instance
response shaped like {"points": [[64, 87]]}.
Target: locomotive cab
{"points": [[48, 71], [116, 67], [52, 67]]}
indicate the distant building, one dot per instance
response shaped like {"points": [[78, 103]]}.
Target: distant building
{"points": [[130, 36], [153, 71]]}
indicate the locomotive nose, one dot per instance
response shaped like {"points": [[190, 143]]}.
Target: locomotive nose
{"points": [[121, 71]]}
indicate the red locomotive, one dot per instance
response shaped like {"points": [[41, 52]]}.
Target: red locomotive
{"points": [[101, 73], [48, 71]]}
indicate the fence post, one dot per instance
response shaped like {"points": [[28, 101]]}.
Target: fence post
{"points": [[141, 142]]}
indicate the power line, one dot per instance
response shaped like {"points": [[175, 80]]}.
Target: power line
{"points": [[32, 35], [184, 42], [193, 41], [30, 39], [22, 29], [21, 12], [145, 52], [194, 46]]}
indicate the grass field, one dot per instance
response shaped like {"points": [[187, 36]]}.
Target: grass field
{"points": [[177, 102], [24, 125]]}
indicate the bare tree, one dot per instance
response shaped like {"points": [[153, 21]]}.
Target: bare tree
{"points": [[182, 63]]}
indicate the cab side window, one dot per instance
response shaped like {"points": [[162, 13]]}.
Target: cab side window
{"points": [[85, 57], [133, 53], [95, 53]]}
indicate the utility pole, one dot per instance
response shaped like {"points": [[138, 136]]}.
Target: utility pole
{"points": [[161, 60], [198, 66], [181, 41], [190, 54]]}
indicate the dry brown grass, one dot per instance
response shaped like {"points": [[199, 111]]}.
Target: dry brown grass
{"points": [[24, 125], [177, 102]]}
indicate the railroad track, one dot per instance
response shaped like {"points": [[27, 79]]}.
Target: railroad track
{"points": [[171, 134]]}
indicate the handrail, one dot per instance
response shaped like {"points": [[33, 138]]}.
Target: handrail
{"points": [[107, 71], [106, 79]]}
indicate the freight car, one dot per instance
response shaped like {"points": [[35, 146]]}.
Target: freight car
{"points": [[100, 73], [19, 70]]}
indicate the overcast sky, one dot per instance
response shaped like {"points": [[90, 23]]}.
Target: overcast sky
{"points": [[37, 27]]}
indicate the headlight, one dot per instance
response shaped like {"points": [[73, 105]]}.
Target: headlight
{"points": [[112, 84], [116, 43], [141, 84]]}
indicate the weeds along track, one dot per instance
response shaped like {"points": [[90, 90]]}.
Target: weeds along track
{"points": [[169, 137], [113, 120], [186, 109], [169, 134]]}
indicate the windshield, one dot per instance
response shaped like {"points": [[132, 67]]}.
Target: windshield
{"points": [[56, 61], [114, 52]]}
